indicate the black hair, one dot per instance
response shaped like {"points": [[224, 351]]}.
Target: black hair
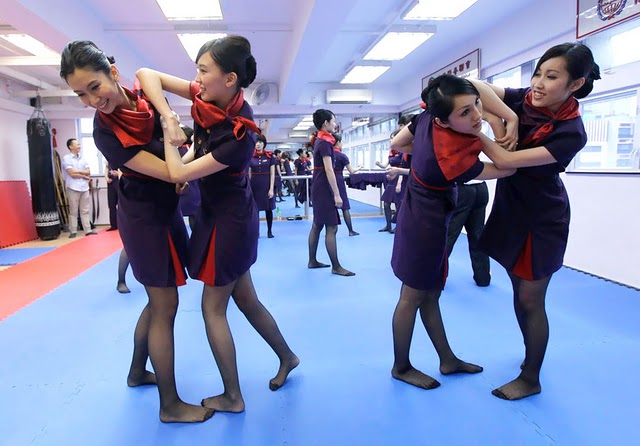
{"points": [[84, 54], [233, 55], [277, 151], [300, 151], [440, 92], [580, 63], [261, 138], [405, 119], [337, 136], [320, 116], [69, 141], [393, 134], [188, 131]]}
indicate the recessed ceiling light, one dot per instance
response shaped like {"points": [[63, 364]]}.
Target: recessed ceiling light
{"points": [[438, 10], [193, 42], [396, 45], [29, 44], [361, 74], [191, 9]]}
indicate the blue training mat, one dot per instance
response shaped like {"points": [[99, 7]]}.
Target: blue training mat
{"points": [[11, 256]]}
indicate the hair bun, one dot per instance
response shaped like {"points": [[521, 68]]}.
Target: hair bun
{"points": [[595, 72]]}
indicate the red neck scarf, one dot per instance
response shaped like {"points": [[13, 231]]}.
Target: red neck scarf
{"points": [[132, 128], [455, 152], [543, 120], [393, 152], [257, 154], [337, 149], [326, 136], [208, 115]]}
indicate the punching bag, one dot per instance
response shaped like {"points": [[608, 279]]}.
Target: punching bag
{"points": [[43, 194]]}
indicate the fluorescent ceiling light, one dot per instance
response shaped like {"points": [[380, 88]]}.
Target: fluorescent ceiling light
{"points": [[396, 46], [363, 74], [193, 42], [191, 9], [438, 10], [29, 44]]}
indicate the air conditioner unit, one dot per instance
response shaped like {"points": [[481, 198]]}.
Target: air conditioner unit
{"points": [[350, 96]]}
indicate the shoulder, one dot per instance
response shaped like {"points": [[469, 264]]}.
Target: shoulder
{"points": [[515, 96]]}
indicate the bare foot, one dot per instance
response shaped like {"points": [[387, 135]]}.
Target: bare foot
{"points": [[283, 372], [459, 366], [517, 389], [352, 233], [316, 264], [224, 403], [182, 412], [123, 288], [415, 378], [340, 271], [144, 379]]}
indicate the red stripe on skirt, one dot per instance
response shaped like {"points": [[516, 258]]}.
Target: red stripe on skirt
{"points": [[208, 271], [524, 266], [181, 278]]}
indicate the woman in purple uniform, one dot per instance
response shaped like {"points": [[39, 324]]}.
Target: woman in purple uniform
{"points": [[342, 162], [190, 197], [262, 175], [302, 165], [127, 132], [528, 227], [390, 195], [445, 146], [224, 241], [325, 193]]}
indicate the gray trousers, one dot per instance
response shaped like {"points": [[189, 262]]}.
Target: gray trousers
{"points": [[79, 201]]}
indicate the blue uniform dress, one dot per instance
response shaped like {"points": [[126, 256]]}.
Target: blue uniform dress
{"points": [[531, 208], [224, 241], [341, 162], [149, 219], [260, 181], [324, 205], [390, 195], [419, 256]]}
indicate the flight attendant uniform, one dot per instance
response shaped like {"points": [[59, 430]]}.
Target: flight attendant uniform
{"points": [[149, 219], [224, 241], [341, 162], [440, 159], [324, 206], [190, 198], [528, 227], [302, 168], [260, 180], [390, 195]]}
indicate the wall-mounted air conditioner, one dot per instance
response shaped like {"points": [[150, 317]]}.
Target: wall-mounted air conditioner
{"points": [[349, 96]]}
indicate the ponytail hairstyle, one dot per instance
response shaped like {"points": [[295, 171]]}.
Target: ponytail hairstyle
{"points": [[84, 54], [580, 63], [440, 92], [233, 55]]}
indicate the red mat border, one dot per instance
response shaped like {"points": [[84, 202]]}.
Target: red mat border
{"points": [[26, 282]]}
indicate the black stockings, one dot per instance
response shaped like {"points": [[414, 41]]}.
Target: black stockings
{"points": [[269, 214], [123, 265]]}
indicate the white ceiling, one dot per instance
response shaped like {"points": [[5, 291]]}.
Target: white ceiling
{"points": [[303, 48]]}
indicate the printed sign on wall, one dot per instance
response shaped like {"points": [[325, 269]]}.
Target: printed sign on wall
{"points": [[466, 66], [596, 15]]}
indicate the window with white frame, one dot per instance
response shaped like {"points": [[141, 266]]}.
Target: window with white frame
{"points": [[612, 143], [89, 150]]}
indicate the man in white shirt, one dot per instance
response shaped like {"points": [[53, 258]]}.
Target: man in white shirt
{"points": [[77, 184]]}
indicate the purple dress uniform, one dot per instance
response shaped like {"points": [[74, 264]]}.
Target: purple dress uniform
{"points": [[303, 167], [531, 208], [190, 198], [260, 180], [324, 206], [390, 195], [149, 220], [341, 162], [419, 256], [224, 241]]}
